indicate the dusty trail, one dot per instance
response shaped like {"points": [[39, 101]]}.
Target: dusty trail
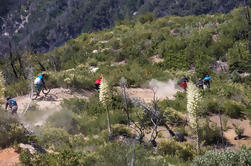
{"points": [[163, 91], [52, 100], [49, 105]]}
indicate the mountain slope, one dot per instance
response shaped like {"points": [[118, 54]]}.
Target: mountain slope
{"points": [[44, 24]]}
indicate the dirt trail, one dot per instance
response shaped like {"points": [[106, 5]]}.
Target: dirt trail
{"points": [[230, 133], [163, 90], [52, 100], [8, 157], [49, 105]]}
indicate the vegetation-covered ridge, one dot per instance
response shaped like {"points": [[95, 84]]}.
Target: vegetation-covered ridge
{"points": [[42, 25], [183, 43], [112, 129]]}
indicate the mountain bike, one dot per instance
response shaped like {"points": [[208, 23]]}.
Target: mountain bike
{"points": [[43, 89]]}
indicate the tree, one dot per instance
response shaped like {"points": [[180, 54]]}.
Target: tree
{"points": [[123, 85], [154, 114], [248, 19]]}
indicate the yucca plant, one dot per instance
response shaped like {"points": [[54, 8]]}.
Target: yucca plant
{"points": [[193, 107], [105, 99]]}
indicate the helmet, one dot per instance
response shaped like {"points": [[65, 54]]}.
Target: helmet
{"points": [[8, 98], [43, 74]]}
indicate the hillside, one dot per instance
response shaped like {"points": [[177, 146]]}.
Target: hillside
{"points": [[140, 115], [42, 25]]}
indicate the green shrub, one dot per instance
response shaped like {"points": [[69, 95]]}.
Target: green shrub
{"points": [[92, 125], [211, 105], [93, 106], [63, 119], [93, 62], [238, 57], [179, 104], [235, 76], [247, 80], [75, 105], [209, 134], [170, 161], [173, 117], [55, 139], [107, 36], [148, 17], [115, 44], [170, 147], [120, 129], [119, 154], [240, 157], [233, 109], [18, 88], [65, 157], [12, 131], [118, 116], [238, 130], [77, 142], [75, 78]]}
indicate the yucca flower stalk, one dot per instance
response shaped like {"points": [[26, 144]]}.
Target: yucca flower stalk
{"points": [[105, 99], [193, 108], [123, 85]]}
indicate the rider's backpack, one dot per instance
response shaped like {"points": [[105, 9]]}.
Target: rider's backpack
{"points": [[13, 102]]}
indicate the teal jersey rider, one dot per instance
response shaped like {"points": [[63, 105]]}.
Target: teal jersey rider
{"points": [[11, 102], [39, 81]]}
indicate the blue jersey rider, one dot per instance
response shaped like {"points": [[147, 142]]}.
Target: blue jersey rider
{"points": [[206, 80], [12, 104], [39, 82]]}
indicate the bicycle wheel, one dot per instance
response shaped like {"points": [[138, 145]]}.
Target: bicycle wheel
{"points": [[34, 96], [46, 91]]}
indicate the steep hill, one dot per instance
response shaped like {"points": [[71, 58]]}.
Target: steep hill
{"points": [[44, 24], [146, 57]]}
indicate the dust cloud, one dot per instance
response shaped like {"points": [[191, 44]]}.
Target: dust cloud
{"points": [[164, 89]]}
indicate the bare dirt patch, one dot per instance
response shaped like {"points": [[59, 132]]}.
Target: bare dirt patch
{"points": [[119, 63], [52, 100], [8, 157], [157, 59], [230, 133]]}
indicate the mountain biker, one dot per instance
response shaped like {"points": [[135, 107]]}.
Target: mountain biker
{"points": [[184, 81], [97, 82], [39, 82], [206, 80], [11, 102], [200, 83]]}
